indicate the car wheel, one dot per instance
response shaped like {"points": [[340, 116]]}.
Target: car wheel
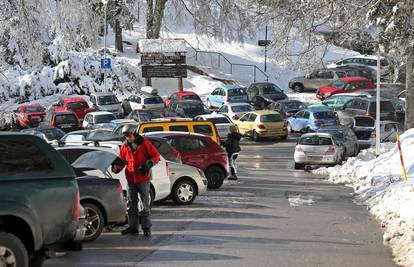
{"points": [[215, 177], [94, 222], [299, 166], [289, 128], [298, 88], [255, 136], [184, 192], [12, 251]]}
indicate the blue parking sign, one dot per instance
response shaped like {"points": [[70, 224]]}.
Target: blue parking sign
{"points": [[105, 63]]}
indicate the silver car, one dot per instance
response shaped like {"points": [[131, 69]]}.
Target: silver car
{"points": [[143, 101], [222, 123], [313, 81], [107, 102], [186, 183], [317, 149]]}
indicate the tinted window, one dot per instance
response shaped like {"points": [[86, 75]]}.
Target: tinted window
{"points": [[270, 89], [33, 109], [65, 119], [339, 84], [293, 106], [244, 108], [179, 128], [153, 100], [187, 144], [108, 100], [194, 109], [191, 97], [315, 141], [252, 117], [364, 121], [22, 156], [324, 115], [236, 92], [104, 118], [152, 129], [53, 133], [271, 118], [384, 106], [219, 120], [74, 105], [203, 129]]}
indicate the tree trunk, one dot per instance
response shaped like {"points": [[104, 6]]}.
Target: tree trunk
{"points": [[150, 18], [118, 36], [155, 15], [409, 110]]}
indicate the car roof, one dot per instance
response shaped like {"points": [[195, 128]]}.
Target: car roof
{"points": [[288, 101], [353, 79], [174, 133], [146, 94], [264, 112], [96, 113], [317, 109], [102, 93], [231, 86], [237, 104], [316, 134], [73, 99], [185, 93]]}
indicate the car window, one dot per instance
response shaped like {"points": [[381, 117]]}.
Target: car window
{"points": [[385, 106], [341, 74], [315, 141], [294, 105], [252, 117], [185, 144], [108, 100], [271, 118], [339, 84], [224, 109], [299, 115], [270, 89], [219, 120], [324, 115], [149, 129], [328, 74], [153, 100], [306, 115], [33, 109], [236, 92], [104, 118], [80, 104], [242, 108], [179, 128], [203, 129], [165, 149], [65, 119], [359, 84], [349, 104]]}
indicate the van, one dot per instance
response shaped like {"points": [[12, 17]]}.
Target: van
{"points": [[200, 127]]}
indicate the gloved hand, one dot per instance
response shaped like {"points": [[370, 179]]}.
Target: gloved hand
{"points": [[115, 169], [145, 168]]}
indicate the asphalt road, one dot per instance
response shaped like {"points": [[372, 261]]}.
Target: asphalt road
{"points": [[273, 216]]}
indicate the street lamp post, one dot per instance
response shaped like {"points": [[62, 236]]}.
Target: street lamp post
{"points": [[105, 2], [378, 108]]}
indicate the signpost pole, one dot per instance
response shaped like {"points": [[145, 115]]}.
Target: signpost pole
{"points": [[378, 115], [180, 85], [265, 63], [106, 6]]}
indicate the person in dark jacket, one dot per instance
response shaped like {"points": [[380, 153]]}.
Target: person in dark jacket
{"points": [[139, 156], [232, 146]]}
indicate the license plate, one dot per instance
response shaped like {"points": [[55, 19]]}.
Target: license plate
{"points": [[36, 118], [65, 126]]}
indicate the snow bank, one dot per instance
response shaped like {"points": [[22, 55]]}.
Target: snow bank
{"points": [[379, 184]]}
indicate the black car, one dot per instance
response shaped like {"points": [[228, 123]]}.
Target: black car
{"points": [[268, 91], [186, 109], [287, 107]]}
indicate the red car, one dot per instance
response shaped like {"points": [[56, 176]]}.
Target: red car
{"points": [[345, 85], [199, 151], [67, 121], [79, 106], [180, 96], [29, 115]]}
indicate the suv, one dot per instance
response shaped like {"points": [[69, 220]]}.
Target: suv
{"points": [[107, 102], [313, 81], [145, 101], [39, 201], [29, 115], [344, 85], [268, 91], [67, 121], [79, 106]]}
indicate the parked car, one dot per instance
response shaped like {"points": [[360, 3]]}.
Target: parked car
{"points": [[222, 123], [317, 149], [107, 101], [186, 109], [367, 60], [356, 70], [345, 136], [344, 85], [143, 101], [268, 91], [313, 81], [260, 103], [39, 202], [287, 107], [363, 106], [201, 152], [235, 110], [182, 96], [143, 115], [310, 120], [29, 115], [67, 121], [79, 106], [262, 124], [50, 135], [98, 119], [75, 138], [226, 94], [335, 102]]}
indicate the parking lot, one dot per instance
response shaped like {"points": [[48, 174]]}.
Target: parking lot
{"points": [[272, 216]]}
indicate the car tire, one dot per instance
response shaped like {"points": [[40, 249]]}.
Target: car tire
{"points": [[94, 222], [298, 88], [215, 177], [184, 192], [255, 136], [14, 250], [299, 166]]}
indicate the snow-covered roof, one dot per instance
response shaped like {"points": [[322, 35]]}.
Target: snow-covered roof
{"points": [[162, 45]]}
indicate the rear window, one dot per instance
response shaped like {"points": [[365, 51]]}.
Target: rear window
{"points": [[271, 118], [33, 109], [203, 129], [244, 108], [100, 135], [364, 122], [386, 106], [219, 120], [104, 118], [236, 92], [108, 100], [315, 141], [74, 105], [191, 97], [153, 129], [153, 100], [271, 89], [179, 128], [294, 106], [65, 119], [324, 115]]}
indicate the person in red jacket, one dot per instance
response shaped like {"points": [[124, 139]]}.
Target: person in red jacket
{"points": [[139, 156]]}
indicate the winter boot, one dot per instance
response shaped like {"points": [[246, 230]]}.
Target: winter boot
{"points": [[147, 232], [130, 231]]}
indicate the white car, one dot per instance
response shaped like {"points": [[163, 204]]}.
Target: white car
{"points": [[235, 110], [160, 179], [98, 119], [222, 123], [366, 60]]}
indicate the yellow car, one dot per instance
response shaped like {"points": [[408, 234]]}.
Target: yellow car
{"points": [[262, 124]]}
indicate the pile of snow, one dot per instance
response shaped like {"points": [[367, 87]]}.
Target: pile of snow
{"points": [[379, 184]]}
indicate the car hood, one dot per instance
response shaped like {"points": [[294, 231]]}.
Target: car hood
{"points": [[97, 160], [110, 107], [327, 89]]}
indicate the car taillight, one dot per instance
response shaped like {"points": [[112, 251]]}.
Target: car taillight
{"points": [[142, 106], [119, 188], [218, 139], [235, 117], [228, 99], [299, 149], [331, 149], [261, 126], [167, 168], [76, 208]]}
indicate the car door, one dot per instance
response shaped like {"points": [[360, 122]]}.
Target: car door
{"points": [[213, 97], [249, 124], [242, 122], [191, 149]]}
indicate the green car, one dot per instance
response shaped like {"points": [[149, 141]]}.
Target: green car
{"points": [[335, 102]]}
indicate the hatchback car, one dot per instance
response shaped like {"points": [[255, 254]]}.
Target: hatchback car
{"points": [[222, 123], [235, 110], [262, 124], [345, 136], [79, 106], [226, 94], [201, 152], [310, 120], [106, 101], [287, 107], [266, 90], [98, 119], [317, 149], [186, 109], [344, 85], [67, 121], [182, 96], [29, 115], [143, 101]]}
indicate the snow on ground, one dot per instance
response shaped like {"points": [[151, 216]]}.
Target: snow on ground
{"points": [[379, 184]]}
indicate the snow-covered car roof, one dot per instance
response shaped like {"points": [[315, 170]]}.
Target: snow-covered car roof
{"points": [[97, 113]]}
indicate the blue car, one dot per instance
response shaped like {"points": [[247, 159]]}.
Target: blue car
{"points": [[310, 120], [225, 95]]}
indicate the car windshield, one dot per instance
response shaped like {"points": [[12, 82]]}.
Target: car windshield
{"points": [[294, 106], [33, 109], [195, 109], [153, 100], [65, 119], [236, 92], [219, 120], [80, 104], [100, 135], [324, 115], [104, 118], [242, 108], [52, 133], [271, 118], [108, 100], [144, 116], [269, 89], [339, 84], [315, 141], [191, 97]]}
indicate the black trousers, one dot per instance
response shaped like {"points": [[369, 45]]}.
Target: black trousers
{"points": [[134, 215]]}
